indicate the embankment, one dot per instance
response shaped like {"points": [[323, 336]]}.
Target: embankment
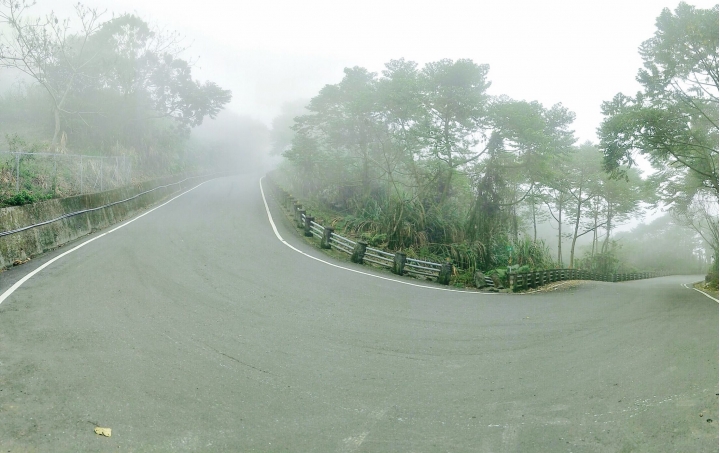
{"points": [[22, 245]]}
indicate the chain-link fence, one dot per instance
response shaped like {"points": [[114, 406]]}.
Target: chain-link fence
{"points": [[61, 175]]}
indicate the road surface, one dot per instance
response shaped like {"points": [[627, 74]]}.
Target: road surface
{"points": [[195, 329]]}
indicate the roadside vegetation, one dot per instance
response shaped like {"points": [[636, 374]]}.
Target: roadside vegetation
{"points": [[422, 159], [99, 84]]}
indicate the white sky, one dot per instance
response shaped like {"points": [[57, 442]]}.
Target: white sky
{"points": [[579, 53]]}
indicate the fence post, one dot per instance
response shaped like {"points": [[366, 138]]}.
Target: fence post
{"points": [[444, 274], [54, 183], [308, 225], [296, 212], [399, 263], [358, 252], [81, 174], [17, 170], [300, 217], [325, 241]]}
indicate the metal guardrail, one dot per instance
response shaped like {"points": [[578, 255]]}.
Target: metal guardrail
{"points": [[400, 264], [359, 251], [425, 268], [529, 280], [72, 214], [379, 257]]}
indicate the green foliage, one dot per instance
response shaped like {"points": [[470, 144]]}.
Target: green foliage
{"points": [[24, 197], [405, 154], [501, 253], [711, 279], [107, 84], [606, 262], [18, 144], [674, 120]]}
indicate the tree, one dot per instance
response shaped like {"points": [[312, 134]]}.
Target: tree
{"points": [[281, 133], [674, 120], [46, 51], [524, 141], [139, 85], [583, 175], [454, 118], [701, 215], [340, 126], [112, 83]]}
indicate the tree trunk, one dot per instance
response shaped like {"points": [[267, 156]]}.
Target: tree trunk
{"points": [[534, 220], [575, 233], [595, 236], [608, 228], [559, 260], [53, 144]]}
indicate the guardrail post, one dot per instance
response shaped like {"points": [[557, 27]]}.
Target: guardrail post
{"points": [[358, 252], [444, 274], [296, 211], [308, 225], [300, 217], [327, 234], [399, 263]]}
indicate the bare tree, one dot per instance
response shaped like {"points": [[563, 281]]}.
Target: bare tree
{"points": [[701, 214], [47, 51]]}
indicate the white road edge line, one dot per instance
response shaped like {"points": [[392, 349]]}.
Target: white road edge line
{"points": [[701, 292], [280, 238], [20, 282]]}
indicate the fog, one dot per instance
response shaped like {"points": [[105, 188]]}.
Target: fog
{"points": [[239, 75], [272, 52]]}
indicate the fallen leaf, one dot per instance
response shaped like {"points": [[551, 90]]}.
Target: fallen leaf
{"points": [[107, 432]]}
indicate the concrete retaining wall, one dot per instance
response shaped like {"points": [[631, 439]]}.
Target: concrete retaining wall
{"points": [[35, 241]]}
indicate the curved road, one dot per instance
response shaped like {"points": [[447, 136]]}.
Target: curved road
{"points": [[195, 329]]}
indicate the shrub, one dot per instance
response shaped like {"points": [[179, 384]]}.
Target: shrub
{"points": [[24, 197]]}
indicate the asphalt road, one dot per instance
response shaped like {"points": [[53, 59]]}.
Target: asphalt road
{"points": [[195, 329]]}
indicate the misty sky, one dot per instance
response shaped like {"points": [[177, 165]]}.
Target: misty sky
{"points": [[272, 51]]}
